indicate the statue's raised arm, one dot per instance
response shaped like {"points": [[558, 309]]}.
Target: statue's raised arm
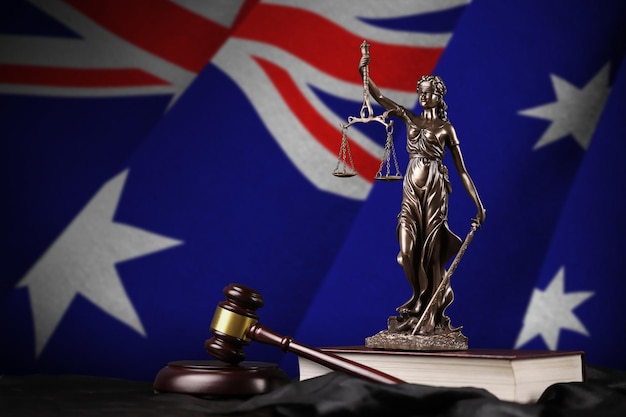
{"points": [[369, 86]]}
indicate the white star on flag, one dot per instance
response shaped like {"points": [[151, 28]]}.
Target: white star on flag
{"points": [[575, 112], [551, 310], [82, 261]]}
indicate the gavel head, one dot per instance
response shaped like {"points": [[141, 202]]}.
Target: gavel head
{"points": [[231, 322]]}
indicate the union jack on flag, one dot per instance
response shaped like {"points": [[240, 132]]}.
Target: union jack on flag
{"points": [[155, 151]]}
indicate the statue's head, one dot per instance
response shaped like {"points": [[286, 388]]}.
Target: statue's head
{"points": [[433, 84]]}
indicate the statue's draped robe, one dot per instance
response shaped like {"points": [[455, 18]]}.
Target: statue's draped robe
{"points": [[423, 216]]}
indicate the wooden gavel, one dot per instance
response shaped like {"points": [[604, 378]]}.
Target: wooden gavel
{"points": [[235, 324]]}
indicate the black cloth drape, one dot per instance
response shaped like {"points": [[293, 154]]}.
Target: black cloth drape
{"points": [[602, 395]]}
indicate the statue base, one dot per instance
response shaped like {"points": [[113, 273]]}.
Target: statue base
{"points": [[393, 339]]}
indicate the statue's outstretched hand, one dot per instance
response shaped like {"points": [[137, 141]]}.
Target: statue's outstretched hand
{"points": [[480, 217], [365, 60]]}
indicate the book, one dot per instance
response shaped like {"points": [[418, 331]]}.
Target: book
{"points": [[511, 375]]}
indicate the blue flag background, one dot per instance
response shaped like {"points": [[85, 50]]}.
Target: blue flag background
{"points": [[502, 61], [142, 174]]}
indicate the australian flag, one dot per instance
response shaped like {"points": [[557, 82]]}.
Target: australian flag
{"points": [[155, 151]]}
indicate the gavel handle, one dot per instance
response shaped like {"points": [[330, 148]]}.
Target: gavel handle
{"points": [[263, 334]]}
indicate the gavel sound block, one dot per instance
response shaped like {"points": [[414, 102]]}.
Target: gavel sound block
{"points": [[234, 325]]}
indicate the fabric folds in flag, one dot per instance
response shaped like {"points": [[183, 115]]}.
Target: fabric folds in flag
{"points": [[150, 162]]}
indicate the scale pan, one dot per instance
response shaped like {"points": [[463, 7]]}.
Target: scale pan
{"points": [[388, 178], [344, 174]]}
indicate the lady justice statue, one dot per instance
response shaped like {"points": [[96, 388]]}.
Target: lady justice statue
{"points": [[425, 240]]}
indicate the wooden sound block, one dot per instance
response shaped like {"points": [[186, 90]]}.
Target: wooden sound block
{"points": [[215, 378]]}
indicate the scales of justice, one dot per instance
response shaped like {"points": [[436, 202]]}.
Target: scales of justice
{"points": [[426, 243]]}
